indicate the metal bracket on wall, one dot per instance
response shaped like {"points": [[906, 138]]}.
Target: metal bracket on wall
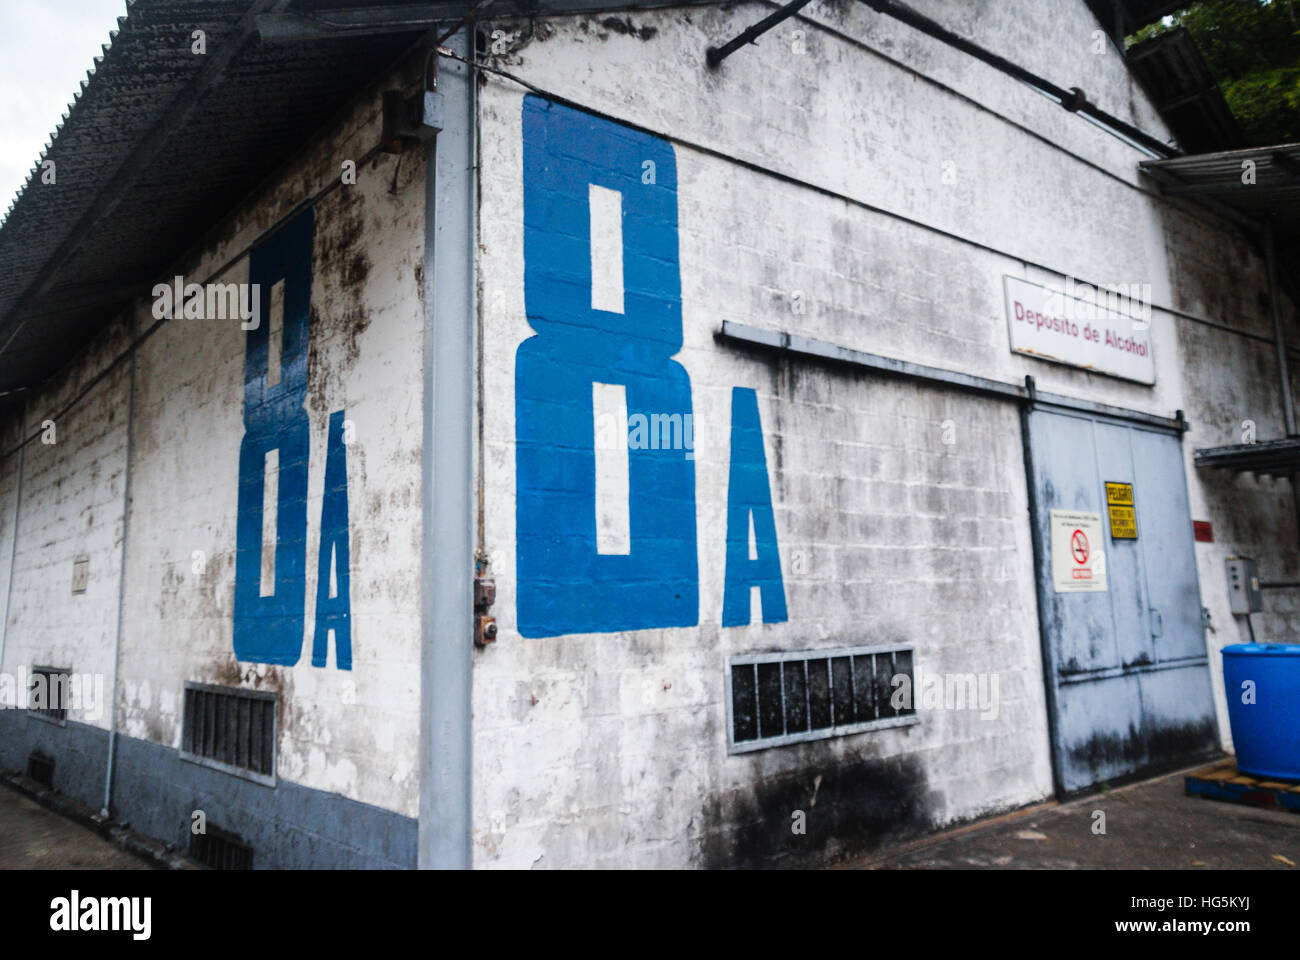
{"points": [[715, 55], [485, 627]]}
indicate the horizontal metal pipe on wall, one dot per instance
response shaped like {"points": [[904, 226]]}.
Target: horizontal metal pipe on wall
{"points": [[969, 383]]}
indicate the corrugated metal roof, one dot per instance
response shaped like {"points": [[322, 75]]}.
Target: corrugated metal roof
{"points": [[160, 143], [1259, 186], [1259, 183], [157, 145]]}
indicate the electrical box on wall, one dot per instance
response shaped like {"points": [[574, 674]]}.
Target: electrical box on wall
{"points": [[1244, 595]]}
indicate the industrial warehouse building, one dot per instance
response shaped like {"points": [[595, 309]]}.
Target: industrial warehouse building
{"points": [[559, 451]]}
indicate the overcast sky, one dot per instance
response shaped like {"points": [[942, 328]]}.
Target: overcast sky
{"points": [[46, 47]]}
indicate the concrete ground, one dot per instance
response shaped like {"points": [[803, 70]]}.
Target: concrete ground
{"points": [[1151, 825], [33, 838]]}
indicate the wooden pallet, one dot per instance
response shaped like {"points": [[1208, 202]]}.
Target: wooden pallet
{"points": [[1223, 781]]}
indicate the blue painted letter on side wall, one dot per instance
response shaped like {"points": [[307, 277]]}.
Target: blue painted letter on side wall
{"points": [[334, 612], [268, 626], [748, 495], [619, 325]]}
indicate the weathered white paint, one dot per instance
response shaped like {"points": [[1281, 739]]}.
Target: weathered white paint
{"points": [[354, 732], [610, 749], [613, 523], [606, 248], [901, 509]]}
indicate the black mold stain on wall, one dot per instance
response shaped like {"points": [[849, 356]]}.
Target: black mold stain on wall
{"points": [[1148, 750], [856, 806], [340, 269]]}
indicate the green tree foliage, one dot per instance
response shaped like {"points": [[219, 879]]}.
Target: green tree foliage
{"points": [[1252, 48]]}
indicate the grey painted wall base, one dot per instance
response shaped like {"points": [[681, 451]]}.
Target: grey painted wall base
{"points": [[289, 826], [79, 751]]}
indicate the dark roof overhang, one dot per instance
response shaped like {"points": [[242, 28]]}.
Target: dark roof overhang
{"points": [[1172, 72], [1272, 458], [1122, 17], [1259, 187], [160, 144]]}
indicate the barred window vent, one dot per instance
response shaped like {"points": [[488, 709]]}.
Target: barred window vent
{"points": [[221, 850], [50, 692], [781, 698], [231, 729], [41, 769]]}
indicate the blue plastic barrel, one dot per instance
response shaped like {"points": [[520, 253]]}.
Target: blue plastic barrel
{"points": [[1266, 733]]}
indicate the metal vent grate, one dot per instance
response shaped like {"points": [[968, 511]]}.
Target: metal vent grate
{"points": [[41, 769], [221, 850], [50, 691], [230, 728], [779, 698]]}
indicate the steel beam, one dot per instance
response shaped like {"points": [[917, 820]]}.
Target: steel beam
{"points": [[447, 475], [715, 55], [820, 350]]}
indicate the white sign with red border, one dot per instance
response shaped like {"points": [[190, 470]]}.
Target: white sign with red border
{"points": [[1078, 325], [1078, 558]]}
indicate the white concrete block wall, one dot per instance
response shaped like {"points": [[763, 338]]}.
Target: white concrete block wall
{"points": [[71, 508], [610, 749], [12, 434], [1231, 389], [353, 733], [562, 774]]}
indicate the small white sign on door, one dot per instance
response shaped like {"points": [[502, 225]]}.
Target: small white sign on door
{"points": [[1078, 557]]}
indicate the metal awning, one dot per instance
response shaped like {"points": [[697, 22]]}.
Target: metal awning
{"points": [[1272, 458], [1259, 187], [1259, 183]]}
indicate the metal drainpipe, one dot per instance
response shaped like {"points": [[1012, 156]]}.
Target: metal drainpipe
{"points": [[13, 546], [447, 529], [121, 585], [1279, 338], [1283, 367]]}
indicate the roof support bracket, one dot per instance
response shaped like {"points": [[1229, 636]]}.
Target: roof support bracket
{"points": [[715, 55]]}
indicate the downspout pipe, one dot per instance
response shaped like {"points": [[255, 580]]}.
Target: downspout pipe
{"points": [[1283, 366], [121, 587], [1279, 335], [447, 473], [13, 537]]}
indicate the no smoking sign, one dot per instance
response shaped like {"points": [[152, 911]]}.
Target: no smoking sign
{"points": [[1078, 563], [1079, 547]]}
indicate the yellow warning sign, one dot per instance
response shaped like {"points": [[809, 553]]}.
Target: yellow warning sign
{"points": [[1123, 523], [1119, 493], [1123, 516]]}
